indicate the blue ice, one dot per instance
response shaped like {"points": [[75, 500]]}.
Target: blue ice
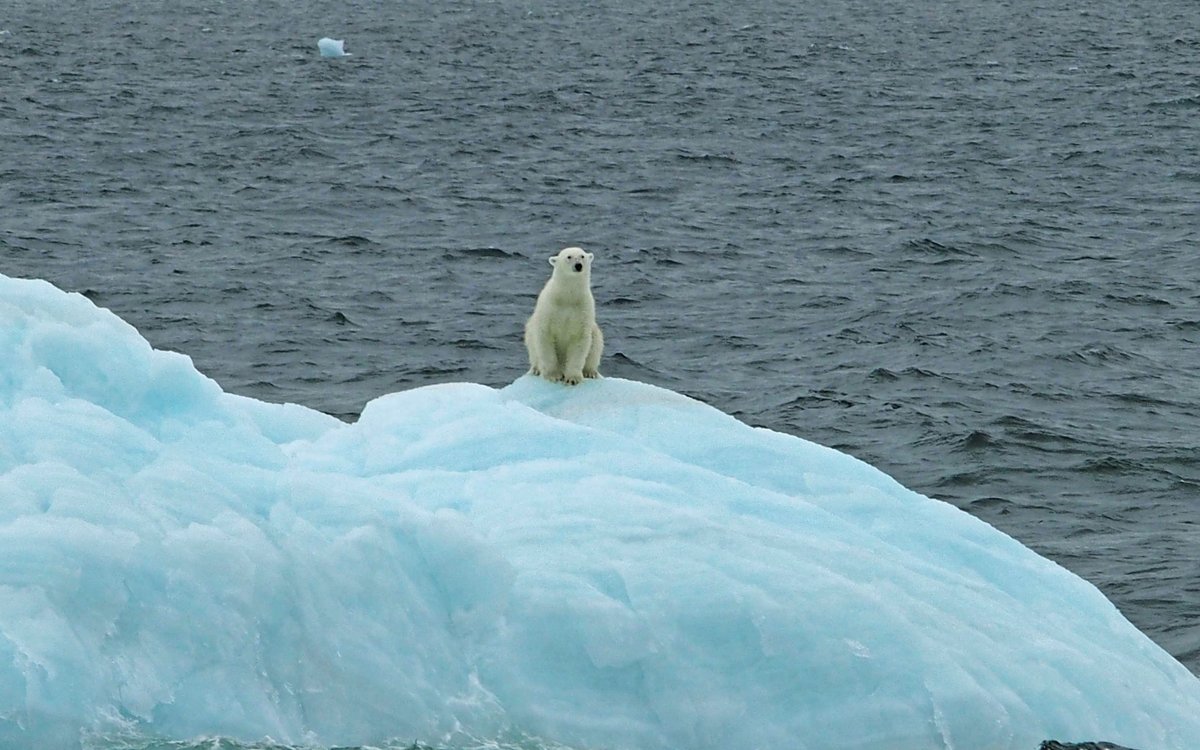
{"points": [[612, 565], [332, 47]]}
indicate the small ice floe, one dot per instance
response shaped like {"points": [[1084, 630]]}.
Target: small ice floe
{"points": [[332, 47]]}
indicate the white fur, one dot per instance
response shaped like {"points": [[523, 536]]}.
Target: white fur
{"points": [[562, 337]]}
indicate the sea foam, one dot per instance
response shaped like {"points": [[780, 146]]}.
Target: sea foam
{"points": [[612, 565]]}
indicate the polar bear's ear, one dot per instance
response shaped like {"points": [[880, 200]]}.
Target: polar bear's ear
{"points": [[553, 259], [589, 256]]}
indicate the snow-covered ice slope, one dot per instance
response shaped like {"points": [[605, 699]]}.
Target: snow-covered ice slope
{"points": [[608, 566]]}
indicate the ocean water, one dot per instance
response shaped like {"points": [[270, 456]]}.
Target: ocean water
{"points": [[957, 241]]}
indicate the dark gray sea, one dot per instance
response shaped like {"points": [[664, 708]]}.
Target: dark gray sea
{"points": [[958, 240]]}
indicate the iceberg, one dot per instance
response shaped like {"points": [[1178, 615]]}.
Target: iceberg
{"points": [[611, 565], [332, 47]]}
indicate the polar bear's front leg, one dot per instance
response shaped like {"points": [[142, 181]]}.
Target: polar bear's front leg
{"points": [[575, 360], [591, 365], [549, 362]]}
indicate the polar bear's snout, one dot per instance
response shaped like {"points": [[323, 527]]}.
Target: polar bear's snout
{"points": [[578, 266]]}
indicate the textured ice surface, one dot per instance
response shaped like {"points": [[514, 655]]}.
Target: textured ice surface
{"points": [[608, 566], [332, 47]]}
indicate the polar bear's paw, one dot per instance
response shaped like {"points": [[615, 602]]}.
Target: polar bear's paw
{"points": [[592, 374], [573, 378]]}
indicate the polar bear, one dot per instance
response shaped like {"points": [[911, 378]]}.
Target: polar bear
{"points": [[562, 337]]}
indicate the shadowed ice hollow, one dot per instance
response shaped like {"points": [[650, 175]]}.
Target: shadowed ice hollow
{"points": [[612, 565]]}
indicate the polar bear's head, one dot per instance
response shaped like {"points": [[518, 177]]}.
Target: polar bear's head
{"points": [[570, 261]]}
